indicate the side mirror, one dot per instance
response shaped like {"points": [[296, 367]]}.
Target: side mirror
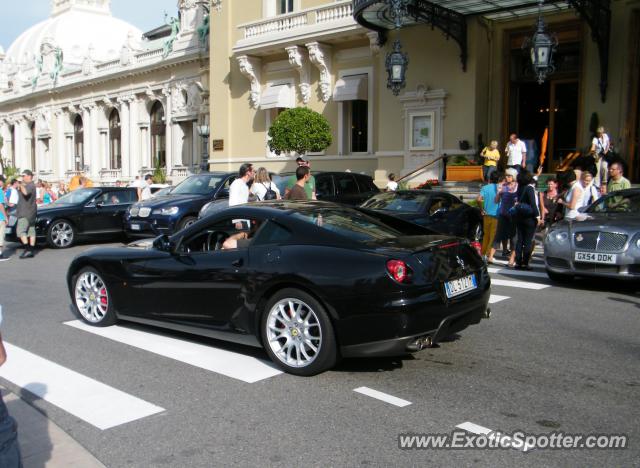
{"points": [[223, 193], [163, 243]]}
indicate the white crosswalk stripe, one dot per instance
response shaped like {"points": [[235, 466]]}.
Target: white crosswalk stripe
{"points": [[98, 404], [235, 365], [507, 271], [518, 284], [495, 298]]}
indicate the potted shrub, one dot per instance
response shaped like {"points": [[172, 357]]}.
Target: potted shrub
{"points": [[460, 169], [299, 130]]}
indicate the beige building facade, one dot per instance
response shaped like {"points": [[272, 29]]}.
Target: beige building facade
{"points": [[269, 55]]}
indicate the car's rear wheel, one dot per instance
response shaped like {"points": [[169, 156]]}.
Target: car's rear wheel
{"points": [[559, 277], [186, 222], [297, 333], [61, 234], [91, 298]]}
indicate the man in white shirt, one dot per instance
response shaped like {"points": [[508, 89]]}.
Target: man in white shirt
{"points": [[600, 146], [145, 192], [516, 152], [239, 189]]}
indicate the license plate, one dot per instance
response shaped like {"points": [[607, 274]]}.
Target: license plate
{"points": [[594, 257], [135, 227], [460, 286]]}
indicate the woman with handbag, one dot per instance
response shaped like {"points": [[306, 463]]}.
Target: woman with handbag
{"points": [[263, 187], [506, 196], [527, 216]]}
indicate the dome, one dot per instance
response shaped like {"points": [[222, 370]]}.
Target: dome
{"points": [[75, 26]]}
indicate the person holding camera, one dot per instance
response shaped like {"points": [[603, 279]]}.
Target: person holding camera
{"points": [[26, 214], [491, 156]]}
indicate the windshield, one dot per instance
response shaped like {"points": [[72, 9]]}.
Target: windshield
{"points": [[198, 185], [617, 203], [352, 224], [76, 197], [408, 202]]}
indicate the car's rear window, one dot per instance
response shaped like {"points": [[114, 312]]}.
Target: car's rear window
{"points": [[406, 202], [198, 185], [351, 224]]}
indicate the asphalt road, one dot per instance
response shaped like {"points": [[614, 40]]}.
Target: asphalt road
{"points": [[561, 358]]}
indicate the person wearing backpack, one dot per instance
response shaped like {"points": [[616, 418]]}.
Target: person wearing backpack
{"points": [[263, 187]]}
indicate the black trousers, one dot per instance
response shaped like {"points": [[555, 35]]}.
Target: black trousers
{"points": [[526, 228]]}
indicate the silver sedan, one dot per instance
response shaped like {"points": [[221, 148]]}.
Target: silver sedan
{"points": [[606, 244]]}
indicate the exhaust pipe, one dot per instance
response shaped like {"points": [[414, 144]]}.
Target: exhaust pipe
{"points": [[487, 313], [420, 343]]}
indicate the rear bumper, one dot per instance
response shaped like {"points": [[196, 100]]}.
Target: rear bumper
{"points": [[429, 321]]}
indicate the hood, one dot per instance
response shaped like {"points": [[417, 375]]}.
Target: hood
{"points": [[53, 209], [604, 221], [172, 200]]}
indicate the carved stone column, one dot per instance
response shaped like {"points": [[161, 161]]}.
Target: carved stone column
{"points": [[124, 103], [168, 112], [298, 60], [250, 68], [320, 56], [59, 153]]}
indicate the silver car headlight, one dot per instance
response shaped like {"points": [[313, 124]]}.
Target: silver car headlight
{"points": [[558, 236], [638, 243], [167, 211], [134, 210]]}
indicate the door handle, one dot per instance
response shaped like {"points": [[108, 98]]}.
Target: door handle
{"points": [[238, 263]]}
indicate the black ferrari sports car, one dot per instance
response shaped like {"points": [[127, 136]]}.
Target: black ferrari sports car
{"points": [[307, 281]]}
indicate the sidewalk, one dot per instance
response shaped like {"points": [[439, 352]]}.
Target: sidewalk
{"points": [[42, 443]]}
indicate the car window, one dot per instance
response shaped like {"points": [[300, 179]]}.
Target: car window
{"points": [[454, 203], [272, 233], [439, 202], [346, 184], [407, 202], [617, 203], [324, 185], [115, 197], [213, 236], [366, 183], [198, 185], [350, 224], [77, 196]]}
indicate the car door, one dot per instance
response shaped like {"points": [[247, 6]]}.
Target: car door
{"points": [[347, 190], [107, 211], [198, 284]]}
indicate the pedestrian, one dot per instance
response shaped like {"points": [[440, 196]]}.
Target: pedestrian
{"points": [[49, 195], [506, 231], [145, 191], [26, 214], [310, 186], [392, 185], [616, 179], [137, 184], [527, 218], [550, 211], [298, 191], [600, 147], [490, 208], [589, 192], [4, 218], [39, 193], [12, 194], [516, 152], [491, 156], [9, 448], [239, 189], [573, 197], [62, 189], [263, 187]]}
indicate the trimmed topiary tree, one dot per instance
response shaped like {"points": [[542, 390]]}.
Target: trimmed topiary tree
{"points": [[299, 130]]}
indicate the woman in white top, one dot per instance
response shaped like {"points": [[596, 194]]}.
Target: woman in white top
{"points": [[600, 146], [392, 185], [263, 187], [573, 199], [590, 192]]}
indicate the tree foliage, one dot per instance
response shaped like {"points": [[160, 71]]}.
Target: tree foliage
{"points": [[299, 130]]}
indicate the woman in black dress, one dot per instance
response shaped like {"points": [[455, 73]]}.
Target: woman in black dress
{"points": [[527, 219]]}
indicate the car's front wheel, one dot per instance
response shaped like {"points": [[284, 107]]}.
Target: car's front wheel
{"points": [[186, 222], [61, 234], [91, 298], [297, 333]]}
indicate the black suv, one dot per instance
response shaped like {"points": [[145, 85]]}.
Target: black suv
{"points": [[339, 187]]}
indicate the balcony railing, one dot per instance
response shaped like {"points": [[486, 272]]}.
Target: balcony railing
{"points": [[328, 15], [110, 174]]}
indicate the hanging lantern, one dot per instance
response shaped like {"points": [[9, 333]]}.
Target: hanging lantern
{"points": [[542, 47], [396, 64]]}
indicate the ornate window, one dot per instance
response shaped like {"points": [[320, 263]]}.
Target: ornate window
{"points": [[158, 136], [115, 141], [285, 6], [78, 142]]}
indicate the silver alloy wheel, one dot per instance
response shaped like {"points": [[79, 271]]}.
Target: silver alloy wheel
{"points": [[191, 222], [294, 333], [61, 234], [91, 295]]}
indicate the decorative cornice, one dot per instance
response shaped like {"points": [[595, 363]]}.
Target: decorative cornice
{"points": [[320, 56], [298, 61], [374, 41], [250, 68]]}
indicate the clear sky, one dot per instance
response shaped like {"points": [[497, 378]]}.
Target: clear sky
{"points": [[18, 16]]}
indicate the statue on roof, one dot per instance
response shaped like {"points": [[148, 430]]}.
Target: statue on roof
{"points": [[174, 22]]}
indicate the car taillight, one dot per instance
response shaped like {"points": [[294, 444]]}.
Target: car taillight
{"points": [[399, 271], [478, 246]]}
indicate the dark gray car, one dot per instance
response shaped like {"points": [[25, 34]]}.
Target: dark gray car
{"points": [[606, 244]]}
